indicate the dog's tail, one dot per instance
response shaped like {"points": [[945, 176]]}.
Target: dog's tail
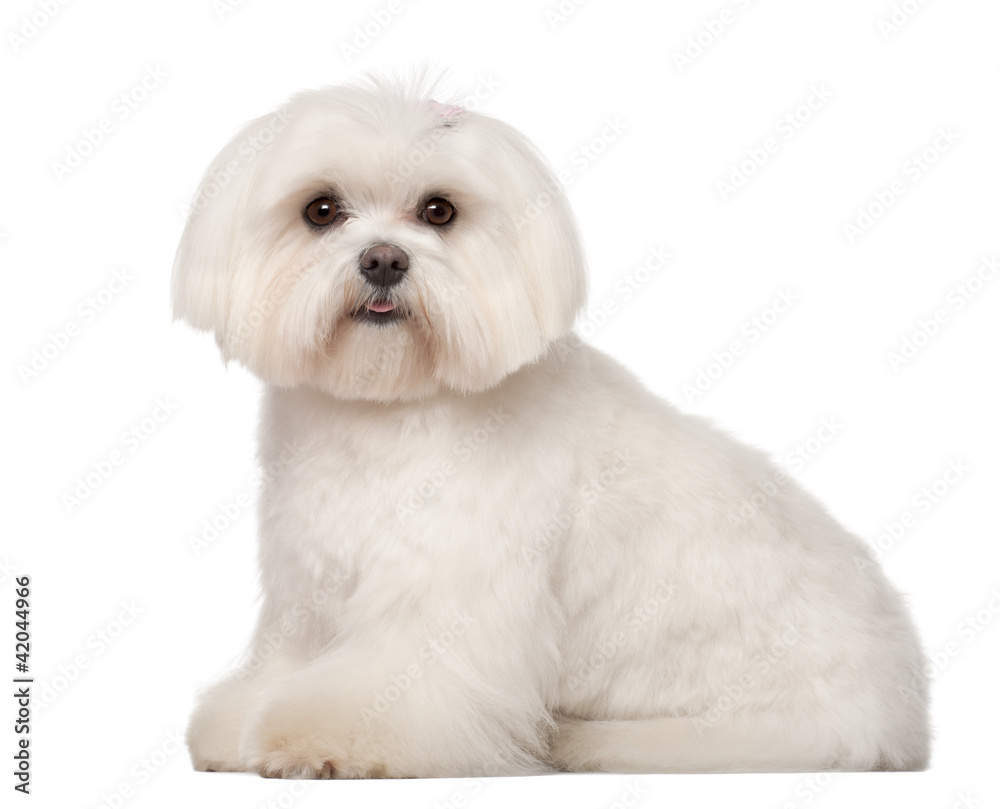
{"points": [[684, 744]]}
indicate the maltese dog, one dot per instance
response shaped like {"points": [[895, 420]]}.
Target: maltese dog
{"points": [[485, 547]]}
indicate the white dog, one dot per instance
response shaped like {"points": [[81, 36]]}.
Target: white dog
{"points": [[485, 547]]}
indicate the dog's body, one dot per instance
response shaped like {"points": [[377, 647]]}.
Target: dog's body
{"points": [[485, 548]]}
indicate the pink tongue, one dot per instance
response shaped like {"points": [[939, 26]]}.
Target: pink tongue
{"points": [[381, 307]]}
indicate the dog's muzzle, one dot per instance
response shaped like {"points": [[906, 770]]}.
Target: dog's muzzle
{"points": [[382, 266]]}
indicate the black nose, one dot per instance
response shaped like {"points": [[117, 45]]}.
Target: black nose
{"points": [[384, 264]]}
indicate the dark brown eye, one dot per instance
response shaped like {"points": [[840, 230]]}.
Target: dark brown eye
{"points": [[321, 212], [438, 211]]}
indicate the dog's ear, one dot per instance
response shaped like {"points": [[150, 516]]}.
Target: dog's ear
{"points": [[544, 232], [209, 249]]}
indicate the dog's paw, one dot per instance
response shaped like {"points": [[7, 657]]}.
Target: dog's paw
{"points": [[304, 759], [201, 764], [290, 739], [279, 745], [293, 761], [214, 755], [213, 739], [214, 748]]}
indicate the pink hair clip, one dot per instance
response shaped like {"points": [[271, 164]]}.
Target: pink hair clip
{"points": [[446, 110]]}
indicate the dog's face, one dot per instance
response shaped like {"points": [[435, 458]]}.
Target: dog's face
{"points": [[374, 244]]}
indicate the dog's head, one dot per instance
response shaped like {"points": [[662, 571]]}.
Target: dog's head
{"points": [[375, 244]]}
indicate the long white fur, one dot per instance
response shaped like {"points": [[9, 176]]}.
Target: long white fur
{"points": [[485, 548]]}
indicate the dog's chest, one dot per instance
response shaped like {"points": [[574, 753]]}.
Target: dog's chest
{"points": [[363, 487]]}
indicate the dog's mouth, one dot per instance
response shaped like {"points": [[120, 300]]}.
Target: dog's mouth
{"points": [[384, 311]]}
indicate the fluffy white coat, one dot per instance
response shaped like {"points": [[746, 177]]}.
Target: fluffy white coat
{"points": [[485, 548]]}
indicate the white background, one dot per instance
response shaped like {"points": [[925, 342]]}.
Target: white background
{"points": [[105, 709]]}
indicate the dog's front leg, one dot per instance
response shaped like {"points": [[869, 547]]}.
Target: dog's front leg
{"points": [[217, 724], [428, 690]]}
